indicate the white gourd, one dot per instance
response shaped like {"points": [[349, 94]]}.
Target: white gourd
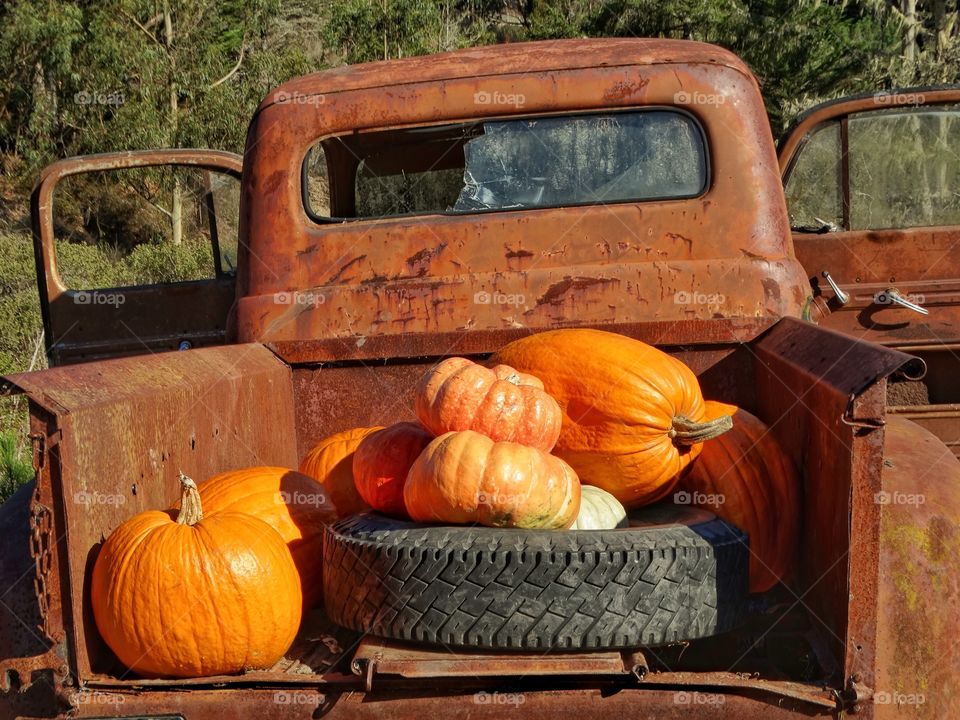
{"points": [[599, 510]]}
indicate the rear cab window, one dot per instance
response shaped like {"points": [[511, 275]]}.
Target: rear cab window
{"points": [[507, 164]]}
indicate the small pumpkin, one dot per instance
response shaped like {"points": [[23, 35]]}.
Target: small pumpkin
{"points": [[501, 403], [180, 594], [294, 505], [745, 477], [465, 477], [599, 510], [633, 416], [381, 463], [330, 463]]}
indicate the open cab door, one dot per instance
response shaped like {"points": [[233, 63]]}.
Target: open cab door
{"points": [[873, 189], [134, 202]]}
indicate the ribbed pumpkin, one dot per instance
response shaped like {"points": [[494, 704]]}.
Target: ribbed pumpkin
{"points": [[633, 417], [753, 484], [183, 595], [465, 477], [381, 463], [599, 510], [501, 403], [294, 505], [330, 463]]}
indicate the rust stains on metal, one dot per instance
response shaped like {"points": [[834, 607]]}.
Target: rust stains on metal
{"points": [[523, 253], [919, 543], [626, 89], [346, 266], [557, 292], [520, 253], [423, 257]]}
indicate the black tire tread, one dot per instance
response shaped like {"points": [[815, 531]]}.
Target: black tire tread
{"points": [[514, 589]]}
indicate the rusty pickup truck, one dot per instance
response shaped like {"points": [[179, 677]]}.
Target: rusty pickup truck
{"points": [[396, 213]]}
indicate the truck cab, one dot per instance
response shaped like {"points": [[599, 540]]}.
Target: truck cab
{"points": [[397, 213]]}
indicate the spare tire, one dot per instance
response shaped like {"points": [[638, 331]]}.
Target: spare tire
{"points": [[675, 574]]}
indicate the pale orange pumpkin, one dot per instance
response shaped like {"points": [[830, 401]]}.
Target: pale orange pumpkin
{"points": [[465, 477], [633, 417], [330, 463], [293, 504], [183, 595], [745, 477], [381, 463], [499, 402]]}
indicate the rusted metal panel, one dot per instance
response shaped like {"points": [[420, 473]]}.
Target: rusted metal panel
{"points": [[493, 701], [150, 318], [126, 429], [604, 264], [918, 658], [823, 394]]}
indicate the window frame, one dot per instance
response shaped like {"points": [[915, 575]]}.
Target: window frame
{"points": [[695, 121]]}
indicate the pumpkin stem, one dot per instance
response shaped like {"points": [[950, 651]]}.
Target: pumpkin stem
{"points": [[687, 432], [191, 511]]}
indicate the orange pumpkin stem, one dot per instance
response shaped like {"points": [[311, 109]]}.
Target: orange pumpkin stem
{"points": [[686, 432], [191, 511]]}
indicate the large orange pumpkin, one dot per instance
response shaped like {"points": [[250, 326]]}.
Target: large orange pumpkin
{"points": [[633, 417], [465, 477], [501, 403], [746, 478], [381, 462], [183, 595], [294, 505], [330, 463]]}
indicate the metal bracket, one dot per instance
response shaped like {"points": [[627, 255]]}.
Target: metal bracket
{"points": [[848, 419], [854, 694]]}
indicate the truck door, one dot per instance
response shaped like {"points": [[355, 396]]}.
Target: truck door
{"points": [[873, 189], [135, 251]]}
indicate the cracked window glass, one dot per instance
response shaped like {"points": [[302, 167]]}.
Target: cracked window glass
{"points": [[508, 164]]}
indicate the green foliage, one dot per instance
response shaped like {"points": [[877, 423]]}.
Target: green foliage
{"points": [[15, 468]]}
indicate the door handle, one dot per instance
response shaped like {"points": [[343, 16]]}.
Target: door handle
{"points": [[842, 297], [893, 296]]}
